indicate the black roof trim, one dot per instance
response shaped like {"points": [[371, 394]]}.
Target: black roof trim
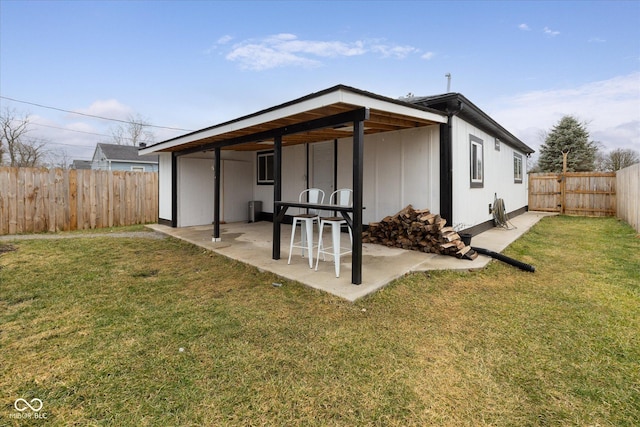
{"points": [[456, 103]]}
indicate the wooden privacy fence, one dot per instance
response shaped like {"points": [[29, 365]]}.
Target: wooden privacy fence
{"points": [[36, 200], [573, 193], [628, 184]]}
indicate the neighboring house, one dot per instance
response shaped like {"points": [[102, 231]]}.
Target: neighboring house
{"points": [[441, 153], [81, 164], [122, 158]]}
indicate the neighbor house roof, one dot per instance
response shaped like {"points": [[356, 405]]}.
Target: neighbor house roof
{"points": [[456, 103], [255, 131], [124, 153]]}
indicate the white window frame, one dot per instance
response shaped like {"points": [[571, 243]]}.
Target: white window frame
{"points": [[518, 171], [476, 162], [265, 172], [137, 168]]}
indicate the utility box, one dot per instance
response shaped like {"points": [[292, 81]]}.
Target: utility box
{"points": [[255, 208]]}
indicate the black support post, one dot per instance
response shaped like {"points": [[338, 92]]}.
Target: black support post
{"points": [[216, 196], [358, 176], [446, 171], [277, 194], [174, 190]]}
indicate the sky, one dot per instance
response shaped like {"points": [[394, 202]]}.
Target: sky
{"points": [[188, 65]]}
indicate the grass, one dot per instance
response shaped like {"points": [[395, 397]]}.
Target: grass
{"points": [[94, 328]]}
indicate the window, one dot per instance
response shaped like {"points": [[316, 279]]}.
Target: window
{"points": [[265, 168], [477, 162], [517, 168], [137, 168]]}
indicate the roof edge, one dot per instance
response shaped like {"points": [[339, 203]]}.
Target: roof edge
{"points": [[325, 92], [476, 115]]}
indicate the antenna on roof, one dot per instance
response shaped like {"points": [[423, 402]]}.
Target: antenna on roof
{"points": [[448, 76]]}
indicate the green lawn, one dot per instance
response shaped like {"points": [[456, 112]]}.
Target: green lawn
{"points": [[94, 327]]}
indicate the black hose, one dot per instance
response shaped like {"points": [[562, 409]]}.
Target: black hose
{"points": [[510, 261]]}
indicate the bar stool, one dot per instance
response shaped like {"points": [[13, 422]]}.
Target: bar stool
{"points": [[342, 197], [313, 195]]}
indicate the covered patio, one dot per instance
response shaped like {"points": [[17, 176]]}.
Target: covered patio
{"points": [[252, 243], [332, 114]]}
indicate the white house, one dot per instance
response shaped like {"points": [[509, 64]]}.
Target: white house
{"points": [[441, 153]]}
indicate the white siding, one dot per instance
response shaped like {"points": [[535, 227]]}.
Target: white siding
{"points": [[237, 190], [400, 168], [195, 191], [471, 205], [164, 186]]}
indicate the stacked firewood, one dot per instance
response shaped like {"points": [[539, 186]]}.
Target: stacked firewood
{"points": [[418, 230]]}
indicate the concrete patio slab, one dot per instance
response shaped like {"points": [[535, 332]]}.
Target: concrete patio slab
{"points": [[252, 243]]}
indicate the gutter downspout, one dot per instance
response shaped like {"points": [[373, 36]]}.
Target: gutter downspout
{"points": [[446, 164]]}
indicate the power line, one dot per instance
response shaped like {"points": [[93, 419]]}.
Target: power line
{"points": [[91, 115], [85, 147], [70, 130]]}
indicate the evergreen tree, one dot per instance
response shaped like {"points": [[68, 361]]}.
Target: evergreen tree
{"points": [[568, 135]]}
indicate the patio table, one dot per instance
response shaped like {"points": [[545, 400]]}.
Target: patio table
{"points": [[280, 209]]}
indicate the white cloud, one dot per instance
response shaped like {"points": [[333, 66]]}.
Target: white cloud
{"points": [[224, 39], [428, 55], [549, 32], [399, 52], [259, 57], [110, 108], [611, 109], [524, 27], [596, 40], [286, 49]]}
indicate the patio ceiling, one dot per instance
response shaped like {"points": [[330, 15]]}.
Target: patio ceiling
{"points": [[257, 131]]}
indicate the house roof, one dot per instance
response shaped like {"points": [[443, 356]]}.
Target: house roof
{"points": [[124, 153], [458, 104], [256, 131], [81, 164]]}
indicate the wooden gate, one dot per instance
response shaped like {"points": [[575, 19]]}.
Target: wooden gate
{"points": [[573, 193]]}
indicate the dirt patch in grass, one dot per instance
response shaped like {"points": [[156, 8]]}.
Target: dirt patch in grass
{"points": [[6, 248]]}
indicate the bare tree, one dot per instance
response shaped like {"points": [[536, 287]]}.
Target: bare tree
{"points": [[31, 153], [59, 159], [21, 150], [13, 130], [617, 159], [134, 132]]}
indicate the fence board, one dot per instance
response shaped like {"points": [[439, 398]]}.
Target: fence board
{"points": [[574, 193], [37, 200], [628, 201], [13, 205], [4, 202]]}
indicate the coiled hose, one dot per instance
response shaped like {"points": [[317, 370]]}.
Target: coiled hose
{"points": [[500, 217]]}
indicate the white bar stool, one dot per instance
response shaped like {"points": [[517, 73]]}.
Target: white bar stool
{"points": [[313, 195], [342, 197]]}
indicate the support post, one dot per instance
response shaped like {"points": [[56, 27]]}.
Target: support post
{"points": [[358, 177], [277, 194], [216, 197], [174, 190], [563, 182]]}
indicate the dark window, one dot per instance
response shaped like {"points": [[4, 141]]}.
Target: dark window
{"points": [[476, 157], [265, 168], [517, 168]]}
